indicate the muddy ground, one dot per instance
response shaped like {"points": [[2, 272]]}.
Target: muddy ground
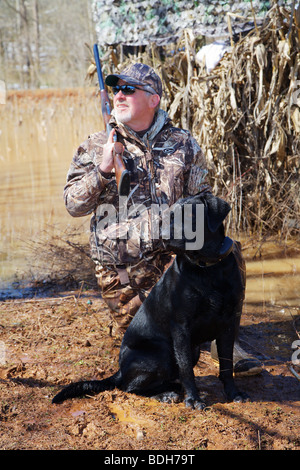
{"points": [[50, 341]]}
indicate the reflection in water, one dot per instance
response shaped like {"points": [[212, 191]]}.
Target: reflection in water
{"points": [[274, 281]]}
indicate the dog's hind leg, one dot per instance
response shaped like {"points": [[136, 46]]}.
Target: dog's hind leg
{"points": [[169, 396], [147, 373]]}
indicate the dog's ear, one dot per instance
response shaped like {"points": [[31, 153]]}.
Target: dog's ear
{"points": [[217, 210]]}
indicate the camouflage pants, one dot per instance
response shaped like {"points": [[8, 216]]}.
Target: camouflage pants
{"points": [[125, 289]]}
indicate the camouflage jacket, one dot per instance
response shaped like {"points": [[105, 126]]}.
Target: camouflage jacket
{"points": [[165, 164]]}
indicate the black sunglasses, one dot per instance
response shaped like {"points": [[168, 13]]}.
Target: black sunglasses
{"points": [[126, 89]]}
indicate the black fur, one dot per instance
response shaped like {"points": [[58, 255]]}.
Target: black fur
{"points": [[194, 301]]}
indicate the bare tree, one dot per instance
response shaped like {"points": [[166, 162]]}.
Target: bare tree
{"points": [[42, 43]]}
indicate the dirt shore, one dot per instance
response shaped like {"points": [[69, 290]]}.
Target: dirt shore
{"points": [[50, 341]]}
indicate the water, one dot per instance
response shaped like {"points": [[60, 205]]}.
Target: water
{"points": [[274, 281], [39, 132], [271, 319]]}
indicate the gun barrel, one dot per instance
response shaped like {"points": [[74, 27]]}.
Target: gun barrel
{"points": [[122, 174], [98, 65]]}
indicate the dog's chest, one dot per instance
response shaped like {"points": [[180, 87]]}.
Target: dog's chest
{"points": [[210, 310], [208, 324]]}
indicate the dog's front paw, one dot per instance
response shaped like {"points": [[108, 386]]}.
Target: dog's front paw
{"points": [[194, 404], [232, 393]]}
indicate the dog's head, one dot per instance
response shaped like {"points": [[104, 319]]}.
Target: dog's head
{"points": [[216, 211], [201, 235]]}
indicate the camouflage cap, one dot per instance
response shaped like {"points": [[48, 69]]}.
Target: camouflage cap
{"points": [[140, 75]]}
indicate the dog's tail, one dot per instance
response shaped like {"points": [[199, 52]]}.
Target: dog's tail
{"points": [[88, 387]]}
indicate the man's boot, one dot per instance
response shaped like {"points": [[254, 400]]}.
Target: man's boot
{"points": [[243, 363]]}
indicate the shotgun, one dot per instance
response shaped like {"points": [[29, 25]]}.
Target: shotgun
{"points": [[122, 174]]}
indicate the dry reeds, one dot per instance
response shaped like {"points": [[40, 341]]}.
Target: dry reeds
{"points": [[245, 114], [60, 257]]}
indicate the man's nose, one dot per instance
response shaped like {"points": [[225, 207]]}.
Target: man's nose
{"points": [[118, 95]]}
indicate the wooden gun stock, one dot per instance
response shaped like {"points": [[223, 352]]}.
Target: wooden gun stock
{"points": [[122, 174]]}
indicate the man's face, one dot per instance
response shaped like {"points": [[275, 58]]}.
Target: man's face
{"points": [[137, 110]]}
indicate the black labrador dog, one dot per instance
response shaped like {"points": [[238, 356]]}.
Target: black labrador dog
{"points": [[198, 299]]}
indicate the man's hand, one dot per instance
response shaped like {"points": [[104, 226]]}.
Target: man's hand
{"points": [[112, 158], [107, 163]]}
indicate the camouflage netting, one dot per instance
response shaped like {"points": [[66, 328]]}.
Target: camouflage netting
{"points": [[246, 116], [139, 22]]}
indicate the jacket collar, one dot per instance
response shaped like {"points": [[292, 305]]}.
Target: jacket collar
{"points": [[159, 122]]}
